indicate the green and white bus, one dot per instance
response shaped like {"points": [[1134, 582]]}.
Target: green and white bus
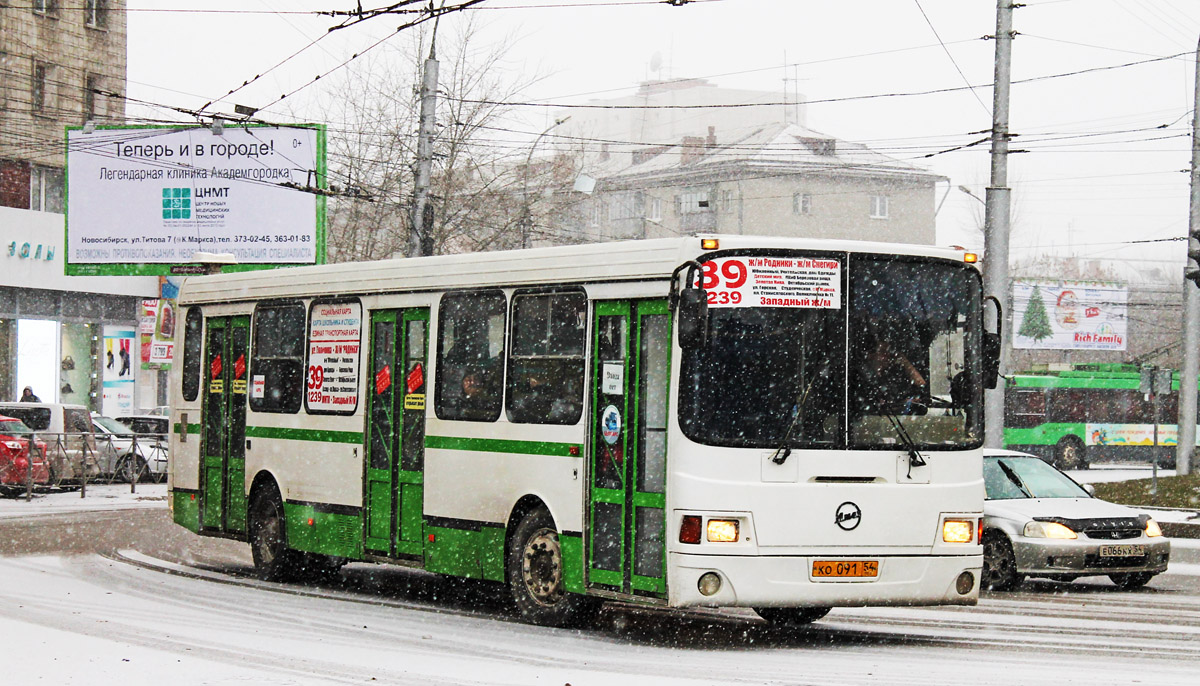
{"points": [[699, 421], [1090, 413]]}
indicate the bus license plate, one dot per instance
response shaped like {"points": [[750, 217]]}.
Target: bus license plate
{"points": [[1128, 550], [845, 568]]}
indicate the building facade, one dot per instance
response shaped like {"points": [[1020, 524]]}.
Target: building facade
{"points": [[72, 339]]}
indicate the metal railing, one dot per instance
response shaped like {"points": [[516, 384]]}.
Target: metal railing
{"points": [[75, 459]]}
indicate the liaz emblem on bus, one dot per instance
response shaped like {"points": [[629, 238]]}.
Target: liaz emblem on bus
{"points": [[749, 281], [610, 424]]}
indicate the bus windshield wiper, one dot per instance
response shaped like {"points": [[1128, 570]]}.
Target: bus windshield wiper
{"points": [[915, 459], [785, 449]]}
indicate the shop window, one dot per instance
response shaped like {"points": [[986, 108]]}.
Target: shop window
{"points": [[470, 356], [192, 340], [545, 365], [277, 359]]}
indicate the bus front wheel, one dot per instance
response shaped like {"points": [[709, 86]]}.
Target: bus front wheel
{"points": [[1070, 454], [273, 560], [535, 575], [792, 616]]}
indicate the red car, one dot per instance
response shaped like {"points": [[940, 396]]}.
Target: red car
{"points": [[14, 457]]}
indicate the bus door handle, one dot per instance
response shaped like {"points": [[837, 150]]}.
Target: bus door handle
{"points": [[247, 444]]}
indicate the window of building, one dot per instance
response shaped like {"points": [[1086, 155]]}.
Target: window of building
{"points": [[545, 363], [39, 87], [90, 86], [727, 202], [801, 203], [95, 13], [46, 189], [192, 340], [626, 206], [654, 211], [48, 7], [277, 359], [470, 363], [879, 207], [693, 202]]}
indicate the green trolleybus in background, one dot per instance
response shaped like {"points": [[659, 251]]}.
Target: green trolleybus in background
{"points": [[781, 424], [1089, 413]]}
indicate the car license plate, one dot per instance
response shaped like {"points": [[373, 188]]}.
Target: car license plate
{"points": [[1128, 550], [845, 568]]}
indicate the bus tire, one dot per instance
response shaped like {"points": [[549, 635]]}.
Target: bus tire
{"points": [[999, 564], [792, 616], [534, 570], [1070, 454], [273, 560]]}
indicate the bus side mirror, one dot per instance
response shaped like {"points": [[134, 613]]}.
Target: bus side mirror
{"points": [[991, 359], [693, 318]]}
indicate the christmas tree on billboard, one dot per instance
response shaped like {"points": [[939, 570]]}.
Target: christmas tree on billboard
{"points": [[1035, 324]]}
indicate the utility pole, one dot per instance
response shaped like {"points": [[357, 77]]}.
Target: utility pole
{"points": [[420, 236], [1191, 305], [996, 218]]}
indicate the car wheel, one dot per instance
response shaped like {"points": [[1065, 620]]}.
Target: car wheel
{"points": [[273, 560], [131, 467], [792, 616], [534, 571], [1070, 454], [1131, 580], [999, 564]]}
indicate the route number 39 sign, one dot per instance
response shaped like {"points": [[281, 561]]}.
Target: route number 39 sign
{"points": [[752, 281]]}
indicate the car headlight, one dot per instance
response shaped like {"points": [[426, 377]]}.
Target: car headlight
{"points": [[1048, 530], [1153, 529]]}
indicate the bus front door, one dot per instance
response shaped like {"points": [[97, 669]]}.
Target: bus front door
{"points": [[223, 477], [628, 447], [395, 449]]}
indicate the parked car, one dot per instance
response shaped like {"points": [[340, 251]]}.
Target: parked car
{"points": [[15, 474], [147, 424], [67, 432], [123, 454], [1038, 522]]}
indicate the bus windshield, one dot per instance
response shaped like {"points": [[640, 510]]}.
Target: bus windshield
{"points": [[895, 343]]}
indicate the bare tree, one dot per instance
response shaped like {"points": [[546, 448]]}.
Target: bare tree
{"points": [[475, 189]]}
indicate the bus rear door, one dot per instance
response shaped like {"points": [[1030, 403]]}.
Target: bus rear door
{"points": [[628, 446], [223, 453], [395, 467]]}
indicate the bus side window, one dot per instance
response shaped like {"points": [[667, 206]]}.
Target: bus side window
{"points": [[545, 372], [277, 359], [192, 339], [470, 367]]}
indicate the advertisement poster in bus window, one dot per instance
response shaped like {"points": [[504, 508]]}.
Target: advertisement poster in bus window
{"points": [[1069, 315], [1132, 434], [756, 281], [334, 339]]}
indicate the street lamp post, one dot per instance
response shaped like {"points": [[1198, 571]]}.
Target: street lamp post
{"points": [[526, 215]]}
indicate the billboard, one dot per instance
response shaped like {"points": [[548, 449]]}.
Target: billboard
{"points": [[142, 199], [1069, 315]]}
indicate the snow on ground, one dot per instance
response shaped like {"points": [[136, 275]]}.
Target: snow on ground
{"points": [[99, 497], [1102, 473]]}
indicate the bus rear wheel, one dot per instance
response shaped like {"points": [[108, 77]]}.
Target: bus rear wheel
{"points": [[534, 570], [273, 560], [1070, 454]]}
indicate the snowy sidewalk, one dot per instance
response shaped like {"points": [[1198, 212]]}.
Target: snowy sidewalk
{"points": [[99, 497]]}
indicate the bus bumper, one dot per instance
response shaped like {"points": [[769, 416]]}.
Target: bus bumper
{"points": [[786, 581]]}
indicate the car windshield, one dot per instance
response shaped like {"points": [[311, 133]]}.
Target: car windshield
{"points": [[112, 426], [14, 427], [1013, 477], [891, 339]]}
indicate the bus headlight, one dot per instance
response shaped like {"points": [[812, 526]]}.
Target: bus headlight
{"points": [[722, 530], [1048, 530], [958, 531]]}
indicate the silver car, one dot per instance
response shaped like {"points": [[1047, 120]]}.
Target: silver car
{"points": [[121, 459], [1038, 522]]}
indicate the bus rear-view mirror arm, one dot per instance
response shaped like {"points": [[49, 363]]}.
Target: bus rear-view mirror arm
{"points": [[690, 305], [992, 343]]}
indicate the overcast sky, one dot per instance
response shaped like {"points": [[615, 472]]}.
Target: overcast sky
{"points": [[1097, 172]]}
